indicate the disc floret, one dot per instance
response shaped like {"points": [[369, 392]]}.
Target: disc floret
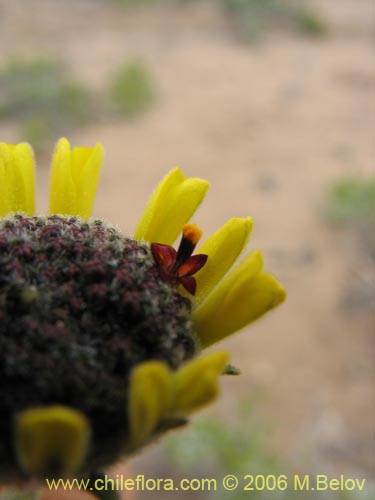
{"points": [[178, 267]]}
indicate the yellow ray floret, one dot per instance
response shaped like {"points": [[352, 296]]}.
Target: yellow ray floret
{"points": [[196, 384], [170, 207], [223, 249], [17, 179], [51, 437], [74, 179], [150, 397], [157, 393], [241, 298]]}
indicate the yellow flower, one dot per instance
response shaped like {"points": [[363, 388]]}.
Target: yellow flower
{"points": [[159, 390]]}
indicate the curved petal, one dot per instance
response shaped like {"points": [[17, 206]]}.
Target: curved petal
{"points": [[189, 283], [150, 397], [223, 249], [158, 396], [74, 179], [196, 384], [173, 179], [192, 265], [240, 299], [87, 179], [54, 435], [62, 189], [17, 179], [170, 207], [164, 255]]}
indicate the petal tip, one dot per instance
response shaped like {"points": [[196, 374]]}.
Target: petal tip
{"points": [[51, 436]]}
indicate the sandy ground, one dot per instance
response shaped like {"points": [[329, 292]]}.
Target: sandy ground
{"points": [[270, 126]]}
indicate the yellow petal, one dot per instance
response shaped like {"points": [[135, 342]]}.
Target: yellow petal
{"points": [[87, 180], [150, 397], [223, 249], [74, 179], [51, 436], [17, 179], [238, 300], [25, 159], [162, 192], [170, 207], [62, 189], [196, 384]]}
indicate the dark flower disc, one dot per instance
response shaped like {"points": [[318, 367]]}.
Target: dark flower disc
{"points": [[80, 306]]}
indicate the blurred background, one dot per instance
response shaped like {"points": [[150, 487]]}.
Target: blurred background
{"points": [[273, 102]]}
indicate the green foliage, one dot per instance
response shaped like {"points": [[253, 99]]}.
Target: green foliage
{"points": [[132, 90], [212, 448], [42, 97], [40, 85], [310, 23], [12, 494], [351, 199], [135, 3], [150, 3], [238, 447], [254, 17], [38, 131]]}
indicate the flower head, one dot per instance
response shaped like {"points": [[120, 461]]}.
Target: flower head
{"points": [[100, 333]]}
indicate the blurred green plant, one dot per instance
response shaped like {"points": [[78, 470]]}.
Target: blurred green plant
{"points": [[132, 89], [11, 494], [238, 447], [136, 3], [212, 448], [150, 3], [254, 17], [349, 205], [351, 200], [42, 97]]}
